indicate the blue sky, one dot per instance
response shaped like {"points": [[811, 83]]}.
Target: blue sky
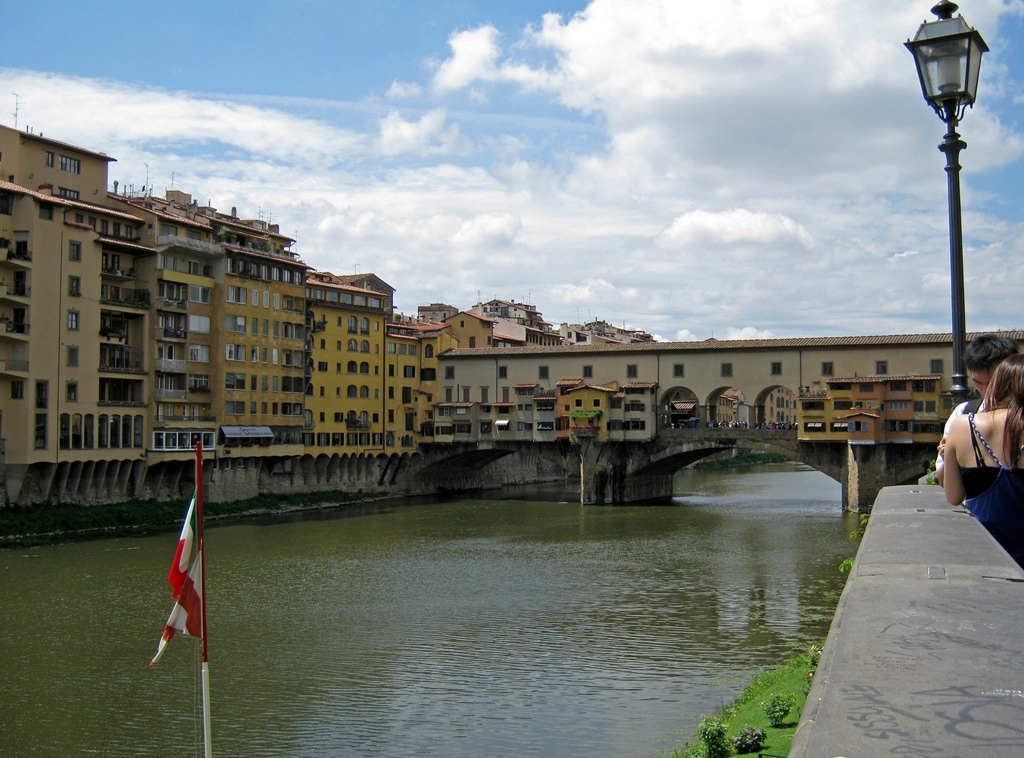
{"points": [[735, 169]]}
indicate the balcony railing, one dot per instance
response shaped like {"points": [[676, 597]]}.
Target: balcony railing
{"points": [[19, 255], [16, 327], [12, 365], [120, 272], [173, 333], [166, 394], [185, 418], [129, 299], [176, 305], [18, 289], [172, 240], [171, 365]]}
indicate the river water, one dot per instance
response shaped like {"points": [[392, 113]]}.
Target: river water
{"points": [[462, 628]]}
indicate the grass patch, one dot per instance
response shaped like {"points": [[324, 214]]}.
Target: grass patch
{"points": [[754, 459], [791, 678], [29, 523]]}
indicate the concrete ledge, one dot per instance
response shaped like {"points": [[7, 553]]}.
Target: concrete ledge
{"points": [[925, 655]]}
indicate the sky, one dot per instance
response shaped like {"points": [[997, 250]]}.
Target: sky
{"points": [[736, 169]]}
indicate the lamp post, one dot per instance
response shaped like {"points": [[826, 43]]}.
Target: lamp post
{"points": [[948, 56]]}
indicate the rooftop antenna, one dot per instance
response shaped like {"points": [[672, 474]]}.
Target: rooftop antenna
{"points": [[17, 107]]}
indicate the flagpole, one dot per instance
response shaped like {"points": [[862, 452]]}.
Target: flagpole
{"points": [[207, 740]]}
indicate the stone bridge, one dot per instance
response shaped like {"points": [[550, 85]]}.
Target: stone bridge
{"points": [[635, 471]]}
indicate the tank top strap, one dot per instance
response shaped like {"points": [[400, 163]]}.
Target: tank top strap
{"points": [[975, 437]]}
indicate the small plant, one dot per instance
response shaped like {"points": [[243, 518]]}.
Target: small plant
{"points": [[777, 707], [749, 740], [712, 733], [815, 655]]}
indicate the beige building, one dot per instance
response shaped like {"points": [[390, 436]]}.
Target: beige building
{"points": [[74, 384]]}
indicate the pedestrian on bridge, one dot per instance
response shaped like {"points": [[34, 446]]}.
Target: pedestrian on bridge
{"points": [[988, 448]]}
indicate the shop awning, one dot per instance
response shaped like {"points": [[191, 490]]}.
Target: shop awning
{"points": [[247, 432], [501, 424]]}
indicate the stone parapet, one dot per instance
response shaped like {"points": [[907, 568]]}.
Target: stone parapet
{"points": [[925, 655]]}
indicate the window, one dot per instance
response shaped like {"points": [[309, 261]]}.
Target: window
{"points": [[502, 370], [199, 353], [49, 159], [74, 251], [17, 389], [235, 323], [236, 294], [199, 324], [75, 286], [588, 372], [234, 381], [936, 365], [827, 369], [409, 372], [726, 369], [71, 165], [73, 320], [631, 372], [72, 392], [46, 214], [199, 294], [678, 370], [776, 369], [72, 355], [449, 372], [881, 368], [70, 194], [542, 372]]}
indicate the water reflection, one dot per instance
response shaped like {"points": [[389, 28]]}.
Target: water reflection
{"points": [[466, 628]]}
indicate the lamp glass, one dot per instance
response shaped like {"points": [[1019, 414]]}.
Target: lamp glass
{"points": [[948, 56]]}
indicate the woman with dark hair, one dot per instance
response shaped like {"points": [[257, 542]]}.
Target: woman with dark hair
{"points": [[989, 448]]}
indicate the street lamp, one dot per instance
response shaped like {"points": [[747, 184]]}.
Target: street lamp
{"points": [[948, 56]]}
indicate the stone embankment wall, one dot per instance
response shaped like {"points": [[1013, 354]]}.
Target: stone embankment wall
{"points": [[925, 655]]}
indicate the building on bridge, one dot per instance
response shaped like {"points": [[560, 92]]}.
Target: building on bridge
{"points": [[872, 410]]}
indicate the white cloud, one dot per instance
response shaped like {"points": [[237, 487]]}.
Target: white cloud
{"points": [[474, 54], [402, 90], [735, 168], [427, 135], [734, 226]]}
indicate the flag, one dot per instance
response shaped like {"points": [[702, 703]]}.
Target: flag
{"points": [[185, 578]]}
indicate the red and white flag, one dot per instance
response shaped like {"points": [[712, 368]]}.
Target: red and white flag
{"points": [[185, 577]]}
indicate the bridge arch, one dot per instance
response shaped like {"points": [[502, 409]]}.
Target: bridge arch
{"points": [[679, 407]]}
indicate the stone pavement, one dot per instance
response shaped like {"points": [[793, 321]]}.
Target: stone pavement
{"points": [[925, 656]]}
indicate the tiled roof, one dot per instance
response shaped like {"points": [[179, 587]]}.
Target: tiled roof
{"points": [[568, 382], [794, 343], [640, 386], [121, 242], [67, 202]]}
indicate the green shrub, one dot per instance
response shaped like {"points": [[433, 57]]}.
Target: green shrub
{"points": [[777, 707], [712, 733], [749, 740]]}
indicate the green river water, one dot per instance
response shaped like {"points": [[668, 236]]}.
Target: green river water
{"points": [[474, 627]]}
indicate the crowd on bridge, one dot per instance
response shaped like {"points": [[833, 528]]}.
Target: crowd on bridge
{"points": [[695, 423]]}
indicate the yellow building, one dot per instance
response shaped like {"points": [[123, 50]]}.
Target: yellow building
{"points": [[228, 345], [347, 401], [471, 330], [871, 410]]}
